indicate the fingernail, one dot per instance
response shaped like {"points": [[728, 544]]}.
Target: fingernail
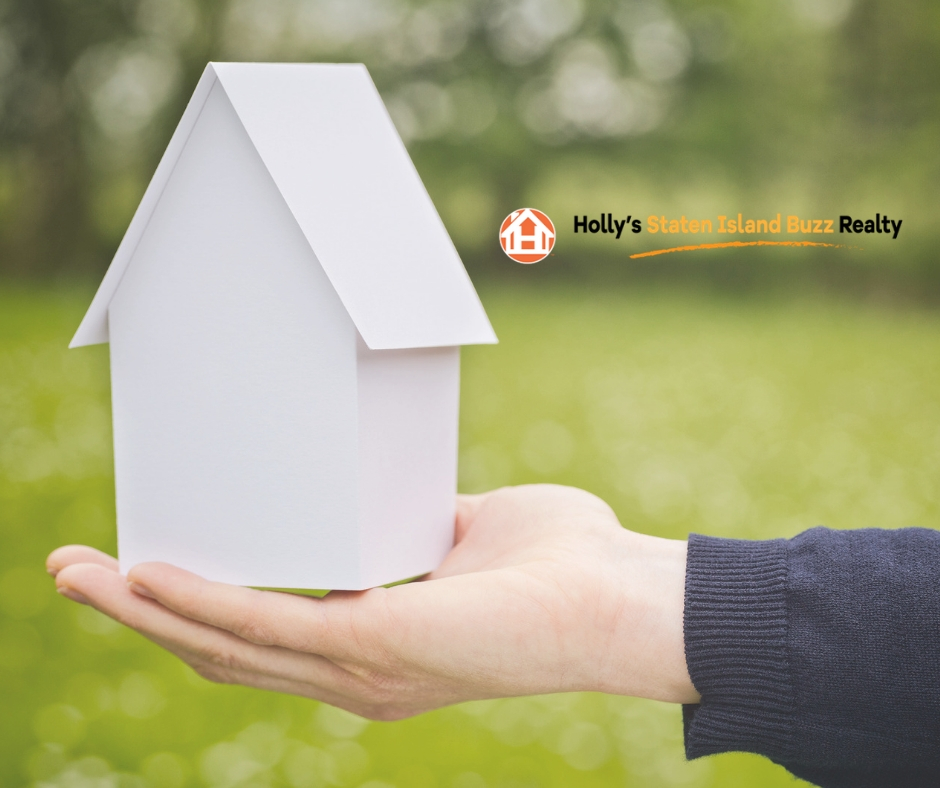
{"points": [[137, 588], [52, 570], [68, 593]]}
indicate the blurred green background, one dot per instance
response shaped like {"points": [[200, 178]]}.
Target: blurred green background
{"points": [[731, 393], [752, 417], [808, 107]]}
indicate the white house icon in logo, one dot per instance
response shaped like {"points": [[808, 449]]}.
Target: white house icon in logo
{"points": [[527, 235]]}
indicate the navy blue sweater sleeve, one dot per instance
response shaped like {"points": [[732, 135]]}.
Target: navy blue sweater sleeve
{"points": [[821, 652]]}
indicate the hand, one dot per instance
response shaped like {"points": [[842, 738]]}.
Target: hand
{"points": [[543, 592]]}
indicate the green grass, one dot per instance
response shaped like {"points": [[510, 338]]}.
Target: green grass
{"points": [[687, 413]]}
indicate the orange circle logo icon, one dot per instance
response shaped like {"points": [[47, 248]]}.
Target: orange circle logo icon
{"points": [[527, 235]]}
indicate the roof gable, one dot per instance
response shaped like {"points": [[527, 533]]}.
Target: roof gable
{"points": [[353, 190]]}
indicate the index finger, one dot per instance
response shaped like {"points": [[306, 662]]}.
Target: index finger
{"points": [[78, 554], [338, 626]]}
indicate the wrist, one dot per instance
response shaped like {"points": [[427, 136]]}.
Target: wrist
{"points": [[646, 645]]}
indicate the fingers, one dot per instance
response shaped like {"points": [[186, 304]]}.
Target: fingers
{"points": [[221, 669], [340, 625], [217, 654], [78, 554], [108, 592]]}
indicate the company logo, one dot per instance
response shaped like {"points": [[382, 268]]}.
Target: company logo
{"points": [[736, 231], [527, 235]]}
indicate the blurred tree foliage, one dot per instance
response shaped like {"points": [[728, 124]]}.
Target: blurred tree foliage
{"points": [[813, 107]]}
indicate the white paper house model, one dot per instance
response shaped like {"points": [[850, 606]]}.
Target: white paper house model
{"points": [[285, 314]]}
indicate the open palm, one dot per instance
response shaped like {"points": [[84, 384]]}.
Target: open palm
{"points": [[542, 592]]}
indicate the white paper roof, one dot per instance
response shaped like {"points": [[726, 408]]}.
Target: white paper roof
{"points": [[323, 133]]}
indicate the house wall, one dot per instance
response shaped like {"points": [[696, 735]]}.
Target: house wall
{"points": [[234, 381], [408, 414]]}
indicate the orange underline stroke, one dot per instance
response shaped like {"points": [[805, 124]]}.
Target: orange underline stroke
{"points": [[728, 244]]}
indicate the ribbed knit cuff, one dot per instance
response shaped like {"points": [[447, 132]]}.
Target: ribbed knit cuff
{"points": [[736, 648]]}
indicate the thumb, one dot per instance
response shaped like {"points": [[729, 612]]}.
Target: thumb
{"points": [[468, 506]]}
